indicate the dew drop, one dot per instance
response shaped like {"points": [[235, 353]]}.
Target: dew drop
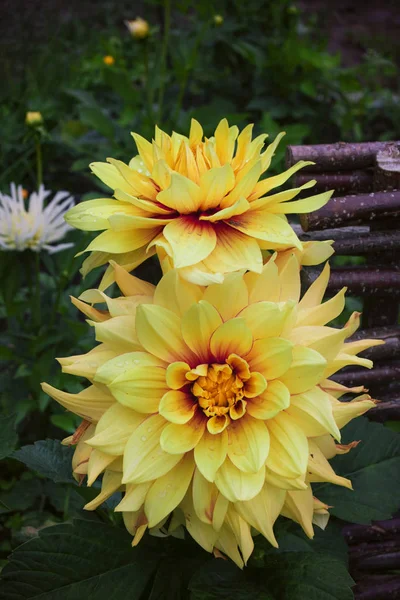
{"points": [[143, 438]]}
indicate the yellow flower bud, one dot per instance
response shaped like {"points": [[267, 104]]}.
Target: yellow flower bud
{"points": [[139, 28], [33, 118], [218, 20], [108, 60]]}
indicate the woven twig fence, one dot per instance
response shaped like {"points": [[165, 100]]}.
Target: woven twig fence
{"points": [[363, 218]]}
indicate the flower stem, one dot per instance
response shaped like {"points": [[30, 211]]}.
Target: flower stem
{"points": [[188, 70], [36, 305], [163, 60], [39, 163]]}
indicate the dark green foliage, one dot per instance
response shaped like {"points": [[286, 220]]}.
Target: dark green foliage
{"points": [[48, 458], [374, 469]]}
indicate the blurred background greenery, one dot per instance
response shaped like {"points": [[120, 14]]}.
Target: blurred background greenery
{"points": [[320, 72], [323, 73]]}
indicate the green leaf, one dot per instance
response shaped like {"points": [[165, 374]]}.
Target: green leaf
{"points": [[49, 458], [8, 438], [302, 575], [84, 560], [374, 469], [21, 496], [291, 538], [220, 579]]}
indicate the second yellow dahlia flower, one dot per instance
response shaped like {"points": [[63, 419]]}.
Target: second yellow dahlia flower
{"points": [[199, 202], [214, 404]]}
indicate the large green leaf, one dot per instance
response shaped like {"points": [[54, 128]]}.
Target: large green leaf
{"points": [[306, 576], [374, 469], [49, 458], [8, 438], [219, 579], [285, 576], [291, 538], [83, 560]]}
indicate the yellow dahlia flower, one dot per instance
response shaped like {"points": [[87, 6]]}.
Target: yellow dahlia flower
{"points": [[199, 202], [214, 404]]}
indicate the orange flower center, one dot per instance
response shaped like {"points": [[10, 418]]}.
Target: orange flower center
{"points": [[218, 390], [221, 389]]}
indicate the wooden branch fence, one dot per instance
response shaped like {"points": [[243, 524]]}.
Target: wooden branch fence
{"points": [[363, 219]]}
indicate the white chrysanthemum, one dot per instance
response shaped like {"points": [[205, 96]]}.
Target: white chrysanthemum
{"points": [[35, 228]]}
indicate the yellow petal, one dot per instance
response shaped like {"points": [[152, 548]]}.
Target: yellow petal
{"points": [[312, 410], [209, 504], [266, 319], [233, 251], [110, 484], [315, 293], [145, 150], [196, 133], [305, 205], [167, 491], [175, 293], [191, 240], [289, 278], [262, 511], [134, 497], [87, 365], [119, 334], [337, 389], [299, 507], [232, 337], [122, 241], [319, 469], [344, 412], [140, 388], [264, 226], [225, 141], [210, 452], [177, 439], [177, 407], [90, 404], [228, 297], [255, 385], [198, 325], [248, 446], [93, 313], [110, 175], [243, 187], [288, 454], [123, 363], [306, 370], [98, 462], [159, 331], [241, 531], [237, 485], [114, 429], [275, 398], [93, 215], [264, 186], [274, 199], [265, 286], [323, 313], [144, 459], [183, 195], [129, 284], [271, 356], [204, 534], [266, 156], [238, 208], [214, 185], [176, 375]]}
